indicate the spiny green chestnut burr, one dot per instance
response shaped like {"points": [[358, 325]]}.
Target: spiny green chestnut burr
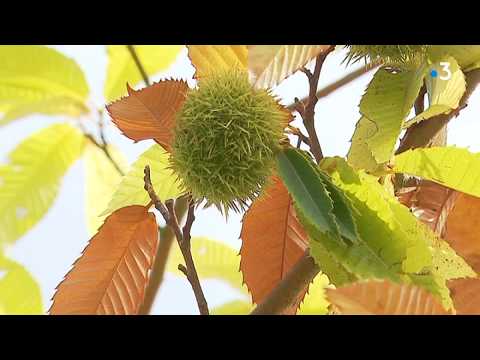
{"points": [[389, 54], [226, 137]]}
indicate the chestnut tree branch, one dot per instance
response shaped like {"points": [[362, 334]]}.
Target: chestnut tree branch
{"points": [[183, 237], [167, 238], [286, 292], [141, 69], [306, 109], [329, 89]]}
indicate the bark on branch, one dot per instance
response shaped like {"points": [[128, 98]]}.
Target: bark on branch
{"points": [[183, 238]]}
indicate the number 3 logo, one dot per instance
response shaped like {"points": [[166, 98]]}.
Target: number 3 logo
{"points": [[446, 68]]}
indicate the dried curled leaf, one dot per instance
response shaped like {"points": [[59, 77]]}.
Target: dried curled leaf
{"points": [[272, 242], [149, 113], [383, 298], [111, 276], [431, 203], [209, 58], [271, 64]]}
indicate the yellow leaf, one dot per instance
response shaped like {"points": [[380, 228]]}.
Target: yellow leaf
{"points": [[209, 58], [273, 63], [101, 180], [122, 69], [131, 190], [29, 183], [213, 260], [38, 79], [443, 95], [315, 302], [19, 292]]}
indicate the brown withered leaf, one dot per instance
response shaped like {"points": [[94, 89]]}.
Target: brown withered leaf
{"points": [[463, 234], [454, 216], [111, 276], [273, 63], [462, 230], [149, 113], [466, 292], [383, 298], [430, 202], [272, 242]]}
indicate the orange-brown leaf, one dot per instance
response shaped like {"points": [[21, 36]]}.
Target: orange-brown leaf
{"points": [[149, 113], [430, 202], [383, 298], [272, 242], [111, 276], [463, 228], [465, 294]]}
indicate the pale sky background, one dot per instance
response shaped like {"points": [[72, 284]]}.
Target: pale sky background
{"points": [[50, 248]]}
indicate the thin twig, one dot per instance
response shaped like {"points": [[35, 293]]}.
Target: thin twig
{"points": [[329, 89], [183, 238], [307, 109], [297, 132], [167, 238], [139, 65]]}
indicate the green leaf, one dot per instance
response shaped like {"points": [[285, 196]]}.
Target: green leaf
{"points": [[19, 292], [131, 189], [122, 68], [453, 167], [443, 95], [467, 56], [236, 307], [29, 183], [308, 191], [384, 106], [37, 79], [409, 247], [213, 260], [315, 302], [326, 221], [101, 180]]}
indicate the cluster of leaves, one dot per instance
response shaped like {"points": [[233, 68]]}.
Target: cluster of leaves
{"points": [[53, 84], [375, 255]]}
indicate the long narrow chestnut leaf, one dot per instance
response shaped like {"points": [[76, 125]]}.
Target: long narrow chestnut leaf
{"points": [[272, 242], [111, 276]]}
